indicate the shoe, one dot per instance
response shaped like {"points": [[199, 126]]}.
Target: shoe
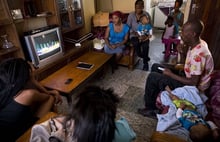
{"points": [[148, 113], [145, 67]]}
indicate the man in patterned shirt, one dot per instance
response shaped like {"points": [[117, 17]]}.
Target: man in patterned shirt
{"points": [[198, 67]]}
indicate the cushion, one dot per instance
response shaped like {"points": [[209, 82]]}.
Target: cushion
{"points": [[214, 98], [101, 19]]}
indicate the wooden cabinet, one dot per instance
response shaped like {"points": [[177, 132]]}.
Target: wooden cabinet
{"points": [[70, 14], [8, 28], [4, 15]]}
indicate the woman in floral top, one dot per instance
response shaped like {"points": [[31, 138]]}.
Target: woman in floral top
{"points": [[198, 67]]}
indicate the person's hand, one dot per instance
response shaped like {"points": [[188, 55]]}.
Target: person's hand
{"points": [[135, 33], [143, 37], [56, 94], [180, 48], [113, 46], [167, 72]]}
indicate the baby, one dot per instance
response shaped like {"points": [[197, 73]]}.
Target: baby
{"points": [[199, 129]]}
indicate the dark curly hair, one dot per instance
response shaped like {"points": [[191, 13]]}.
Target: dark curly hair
{"points": [[141, 2], [94, 112]]}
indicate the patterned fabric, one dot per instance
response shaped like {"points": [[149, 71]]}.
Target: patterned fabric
{"points": [[186, 102], [190, 118], [214, 101], [199, 61], [133, 22], [145, 29]]}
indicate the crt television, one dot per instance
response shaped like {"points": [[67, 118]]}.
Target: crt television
{"points": [[43, 46]]}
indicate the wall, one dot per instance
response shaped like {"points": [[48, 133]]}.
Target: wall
{"points": [[128, 5], [103, 5], [123, 5], [89, 11]]}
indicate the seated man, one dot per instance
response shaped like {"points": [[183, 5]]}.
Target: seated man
{"points": [[198, 67]]}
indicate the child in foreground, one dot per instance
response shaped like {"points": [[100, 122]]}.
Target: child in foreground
{"points": [[199, 129]]}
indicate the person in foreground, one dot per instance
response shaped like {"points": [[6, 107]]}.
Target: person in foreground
{"points": [[199, 129], [116, 36], [187, 114], [198, 67], [92, 119], [141, 46], [22, 99]]}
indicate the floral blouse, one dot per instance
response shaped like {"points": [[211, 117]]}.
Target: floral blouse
{"points": [[199, 61]]}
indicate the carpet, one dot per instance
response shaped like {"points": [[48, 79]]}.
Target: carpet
{"points": [[129, 86], [129, 103]]}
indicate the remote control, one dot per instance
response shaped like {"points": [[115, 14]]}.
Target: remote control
{"points": [[160, 68]]}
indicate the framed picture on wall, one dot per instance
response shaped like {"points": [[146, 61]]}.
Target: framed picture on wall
{"points": [[16, 14]]}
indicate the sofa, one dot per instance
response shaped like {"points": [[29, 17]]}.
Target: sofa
{"points": [[99, 23], [213, 106]]}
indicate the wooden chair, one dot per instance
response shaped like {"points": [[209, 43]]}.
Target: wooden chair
{"points": [[164, 137]]}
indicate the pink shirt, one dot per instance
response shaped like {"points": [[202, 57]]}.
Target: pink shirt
{"points": [[199, 61], [168, 32]]}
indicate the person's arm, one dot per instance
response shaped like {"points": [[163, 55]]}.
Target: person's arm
{"points": [[34, 84], [193, 81], [150, 33], [179, 19], [107, 37], [163, 33], [182, 51], [130, 23], [129, 20], [147, 37], [43, 90], [179, 113]]}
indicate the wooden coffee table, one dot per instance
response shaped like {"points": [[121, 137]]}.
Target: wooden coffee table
{"points": [[57, 79]]}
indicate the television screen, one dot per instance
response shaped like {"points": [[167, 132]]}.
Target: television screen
{"points": [[43, 46], [47, 44]]}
